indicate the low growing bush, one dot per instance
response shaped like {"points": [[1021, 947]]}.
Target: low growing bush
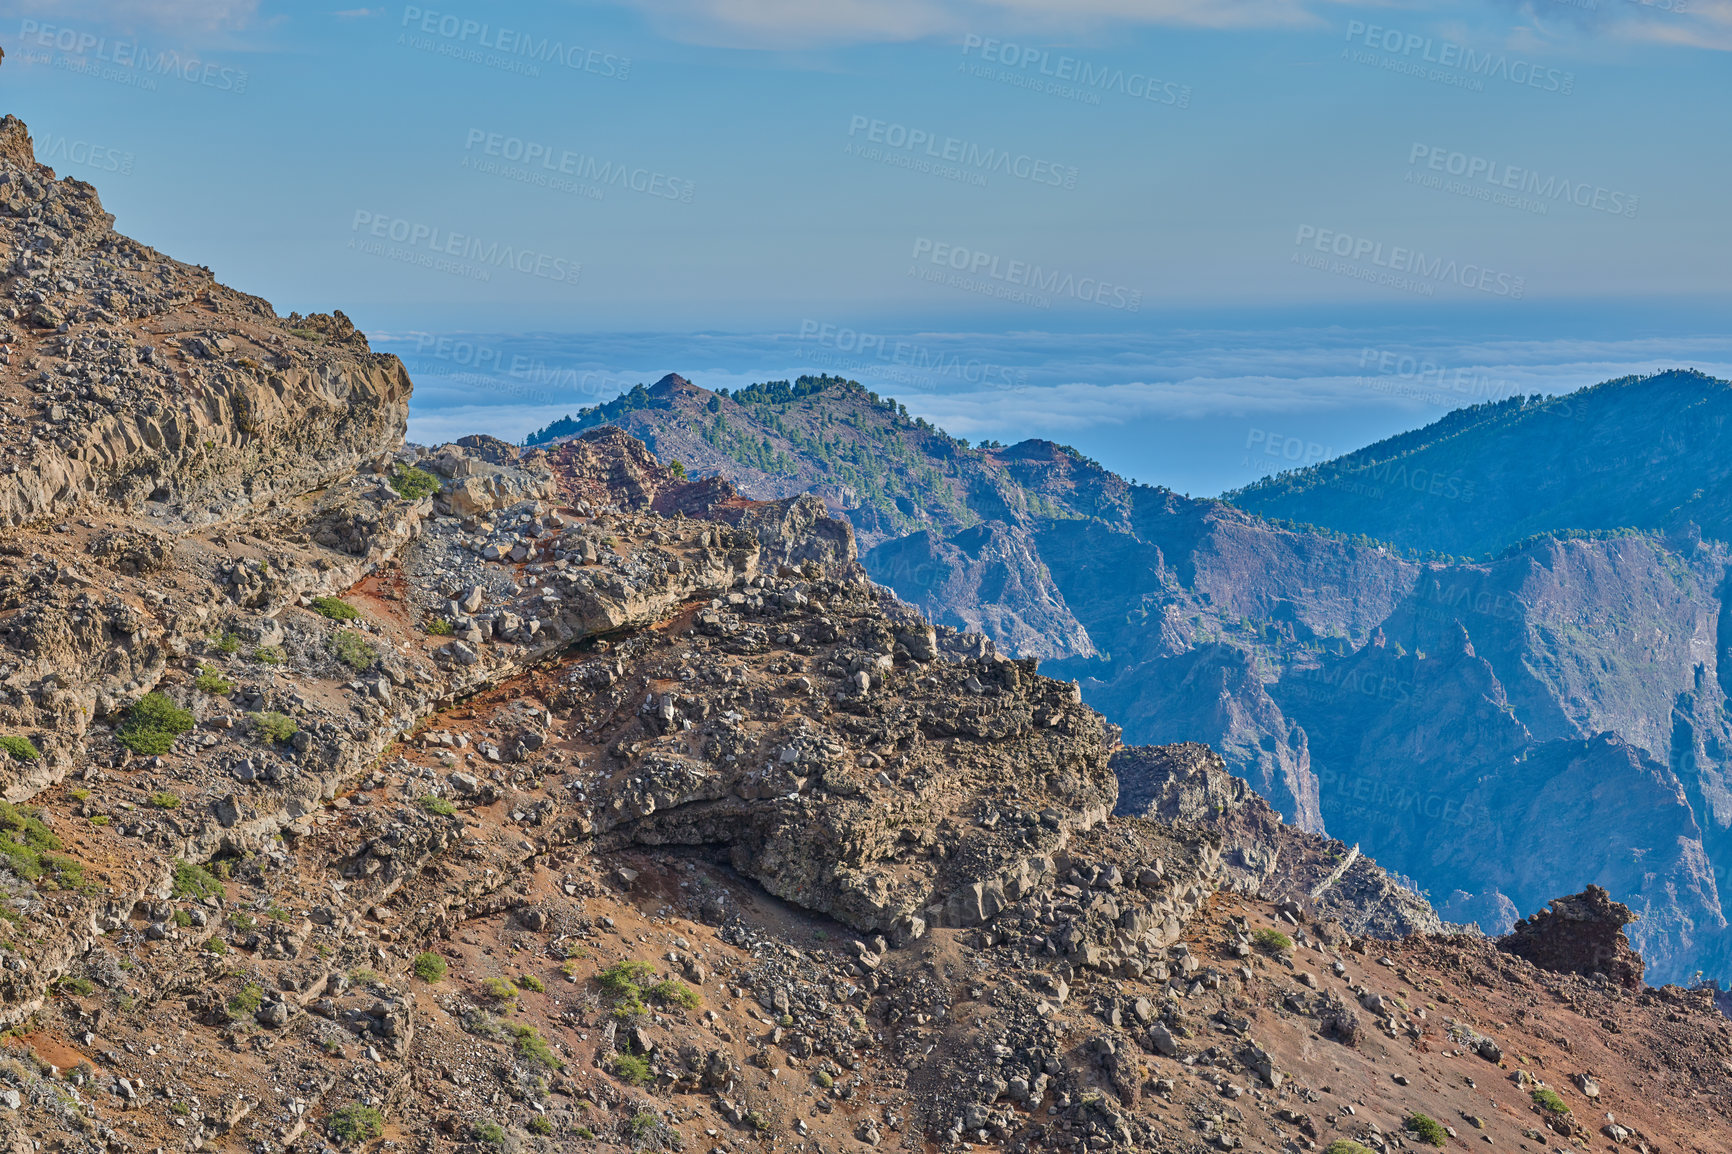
{"points": [[152, 724], [1428, 1130], [277, 727], [335, 608], [412, 484], [19, 748]]}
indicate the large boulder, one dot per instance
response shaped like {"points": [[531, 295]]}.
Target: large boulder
{"points": [[1579, 934]]}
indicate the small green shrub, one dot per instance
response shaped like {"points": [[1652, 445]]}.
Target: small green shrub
{"points": [[626, 977], [335, 608], [585, 1133], [625, 983], [540, 1125], [193, 882], [439, 627], [211, 682], [531, 982], [248, 1000], [532, 1047], [180, 1107], [101, 819], [276, 727], [499, 990], [19, 748], [164, 800], [824, 1079], [490, 1132], [631, 1069], [429, 967], [1549, 1101], [270, 655], [152, 724], [216, 945], [677, 468], [438, 806], [673, 992], [411, 483], [241, 920], [363, 976], [356, 1123], [1427, 1129], [26, 843], [1347, 1146], [182, 919], [643, 1123], [354, 650], [79, 987], [80, 794], [226, 643], [1272, 941]]}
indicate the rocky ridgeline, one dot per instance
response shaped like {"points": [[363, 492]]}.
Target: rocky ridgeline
{"points": [[138, 383], [465, 797]]}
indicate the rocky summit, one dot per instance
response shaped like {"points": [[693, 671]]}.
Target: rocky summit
{"points": [[365, 795]]}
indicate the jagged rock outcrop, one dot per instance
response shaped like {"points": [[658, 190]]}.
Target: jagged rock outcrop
{"points": [[1579, 934], [1380, 699], [151, 388]]}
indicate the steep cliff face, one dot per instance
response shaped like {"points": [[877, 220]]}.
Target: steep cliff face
{"points": [[987, 579], [155, 389]]}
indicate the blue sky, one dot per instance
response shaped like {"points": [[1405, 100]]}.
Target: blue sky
{"points": [[1158, 229]]}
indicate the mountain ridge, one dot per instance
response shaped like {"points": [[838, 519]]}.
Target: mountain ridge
{"points": [[1195, 620], [461, 798]]}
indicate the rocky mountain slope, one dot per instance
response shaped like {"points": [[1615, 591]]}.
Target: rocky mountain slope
{"points": [[461, 798], [1421, 709], [1650, 453]]}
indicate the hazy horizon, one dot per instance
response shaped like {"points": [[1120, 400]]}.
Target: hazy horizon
{"points": [[1159, 231]]}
